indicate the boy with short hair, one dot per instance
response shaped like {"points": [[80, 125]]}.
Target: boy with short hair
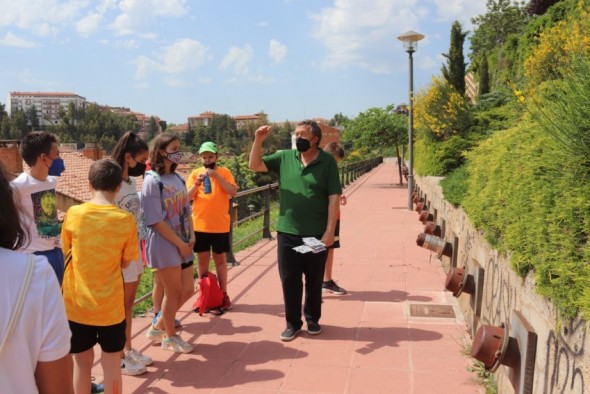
{"points": [[329, 285], [210, 214], [98, 239], [35, 191]]}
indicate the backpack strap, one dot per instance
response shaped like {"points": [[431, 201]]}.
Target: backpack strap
{"points": [[157, 178], [19, 301]]}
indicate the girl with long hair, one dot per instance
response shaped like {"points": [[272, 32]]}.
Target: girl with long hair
{"points": [[131, 152], [170, 237]]}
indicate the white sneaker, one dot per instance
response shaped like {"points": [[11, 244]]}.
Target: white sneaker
{"points": [[155, 335], [138, 357], [176, 344], [131, 368]]}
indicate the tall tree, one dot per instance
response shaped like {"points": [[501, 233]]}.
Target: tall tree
{"points": [[19, 123], [454, 70], [483, 73], [491, 30], [338, 120], [379, 128], [539, 7], [152, 128], [32, 118]]}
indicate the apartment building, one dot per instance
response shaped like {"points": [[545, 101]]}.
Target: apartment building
{"points": [[46, 104]]}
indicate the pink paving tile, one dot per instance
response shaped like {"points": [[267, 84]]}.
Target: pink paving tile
{"points": [[376, 381], [267, 376], [322, 351], [375, 335], [383, 312], [212, 346], [263, 351], [187, 375], [378, 355], [460, 383], [448, 358], [311, 379]]}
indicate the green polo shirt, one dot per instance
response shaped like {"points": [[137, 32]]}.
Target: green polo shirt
{"points": [[304, 191]]}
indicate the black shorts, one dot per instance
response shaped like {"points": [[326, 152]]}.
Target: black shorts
{"points": [[336, 243], [186, 265], [204, 242], [110, 338]]}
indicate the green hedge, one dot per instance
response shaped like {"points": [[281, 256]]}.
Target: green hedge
{"points": [[536, 209]]}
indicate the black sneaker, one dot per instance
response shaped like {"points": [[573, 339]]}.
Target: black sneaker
{"points": [[331, 287], [96, 388], [313, 328], [289, 334]]}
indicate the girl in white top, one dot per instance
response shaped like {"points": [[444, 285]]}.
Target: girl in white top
{"points": [[35, 356], [131, 152]]}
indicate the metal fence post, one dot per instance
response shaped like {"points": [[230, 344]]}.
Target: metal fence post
{"points": [[230, 257], [266, 222]]}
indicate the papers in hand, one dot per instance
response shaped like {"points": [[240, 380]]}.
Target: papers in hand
{"points": [[310, 244]]}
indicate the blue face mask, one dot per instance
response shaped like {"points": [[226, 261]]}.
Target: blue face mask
{"points": [[57, 167]]}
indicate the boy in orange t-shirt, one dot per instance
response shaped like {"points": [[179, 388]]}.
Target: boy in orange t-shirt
{"points": [[211, 187]]}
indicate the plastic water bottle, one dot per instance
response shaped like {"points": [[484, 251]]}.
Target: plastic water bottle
{"points": [[207, 184]]}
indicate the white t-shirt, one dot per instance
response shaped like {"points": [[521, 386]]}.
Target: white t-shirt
{"points": [[42, 332], [128, 200], [38, 201]]}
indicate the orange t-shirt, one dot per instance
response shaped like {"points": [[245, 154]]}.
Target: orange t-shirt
{"points": [[211, 211]]}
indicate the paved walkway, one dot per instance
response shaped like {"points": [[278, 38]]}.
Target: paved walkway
{"points": [[369, 343]]}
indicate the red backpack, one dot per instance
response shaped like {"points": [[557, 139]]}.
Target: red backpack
{"points": [[210, 297]]}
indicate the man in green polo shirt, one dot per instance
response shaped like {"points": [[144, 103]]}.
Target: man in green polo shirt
{"points": [[309, 188]]}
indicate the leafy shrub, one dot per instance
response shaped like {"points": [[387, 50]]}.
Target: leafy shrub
{"points": [[455, 186], [533, 208], [439, 158]]}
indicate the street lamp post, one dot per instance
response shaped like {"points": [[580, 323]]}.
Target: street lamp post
{"points": [[410, 40]]}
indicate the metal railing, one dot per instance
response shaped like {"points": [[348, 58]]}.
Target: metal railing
{"points": [[248, 205]]}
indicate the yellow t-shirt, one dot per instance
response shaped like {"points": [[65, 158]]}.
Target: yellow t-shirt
{"points": [[96, 239], [211, 211]]}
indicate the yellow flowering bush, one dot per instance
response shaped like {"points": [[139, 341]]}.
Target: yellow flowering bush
{"points": [[439, 110], [557, 46]]}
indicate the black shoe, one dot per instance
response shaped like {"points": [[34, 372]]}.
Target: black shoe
{"points": [[96, 388], [313, 328], [289, 334], [331, 287]]}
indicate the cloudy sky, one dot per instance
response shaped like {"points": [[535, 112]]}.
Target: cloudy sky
{"points": [[292, 59]]}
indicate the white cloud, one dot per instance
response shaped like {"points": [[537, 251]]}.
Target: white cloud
{"points": [[140, 16], [89, 23], [11, 40], [277, 51], [262, 24], [461, 10], [42, 17], [355, 32], [183, 55], [239, 59]]}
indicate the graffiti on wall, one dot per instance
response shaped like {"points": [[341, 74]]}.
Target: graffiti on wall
{"points": [[565, 350], [501, 291]]}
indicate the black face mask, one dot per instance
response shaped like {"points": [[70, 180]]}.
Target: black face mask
{"points": [[302, 144], [138, 170], [209, 165]]}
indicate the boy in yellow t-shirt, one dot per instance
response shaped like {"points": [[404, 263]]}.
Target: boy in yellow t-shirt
{"points": [[98, 240], [211, 187]]}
